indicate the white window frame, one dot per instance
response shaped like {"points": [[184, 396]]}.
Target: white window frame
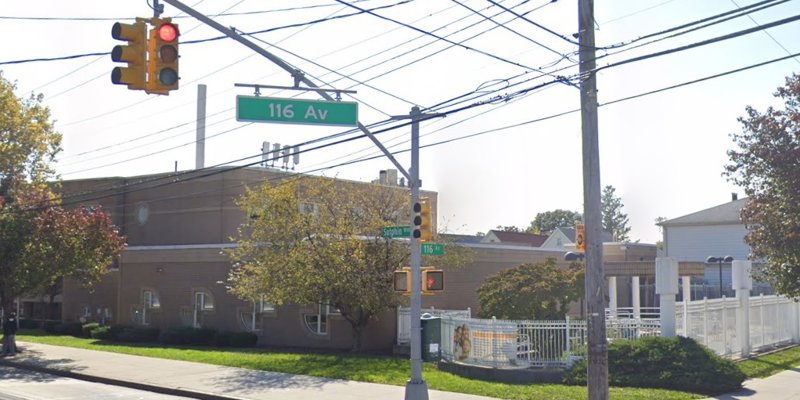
{"points": [[150, 301], [319, 326], [203, 301]]}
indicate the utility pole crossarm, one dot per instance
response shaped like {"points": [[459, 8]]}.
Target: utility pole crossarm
{"points": [[297, 75]]}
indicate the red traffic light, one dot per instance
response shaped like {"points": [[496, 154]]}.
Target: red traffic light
{"points": [[167, 32]]}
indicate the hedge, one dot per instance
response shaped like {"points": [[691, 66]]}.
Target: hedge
{"points": [[677, 363]]}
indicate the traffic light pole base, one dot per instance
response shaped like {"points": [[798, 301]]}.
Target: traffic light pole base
{"points": [[416, 390]]}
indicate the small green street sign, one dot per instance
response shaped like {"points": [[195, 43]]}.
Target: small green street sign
{"points": [[296, 111], [396, 231], [432, 249]]}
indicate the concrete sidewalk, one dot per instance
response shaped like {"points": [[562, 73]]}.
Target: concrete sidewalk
{"points": [[781, 386], [202, 381]]}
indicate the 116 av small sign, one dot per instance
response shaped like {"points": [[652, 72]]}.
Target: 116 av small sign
{"points": [[296, 111]]}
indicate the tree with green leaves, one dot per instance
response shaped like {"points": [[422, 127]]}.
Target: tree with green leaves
{"points": [[766, 165], [614, 220], [40, 241], [509, 228], [660, 243], [540, 291], [319, 241], [546, 222]]}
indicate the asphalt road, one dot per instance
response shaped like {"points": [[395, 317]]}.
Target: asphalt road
{"points": [[20, 384]]}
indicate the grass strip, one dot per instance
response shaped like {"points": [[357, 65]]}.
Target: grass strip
{"points": [[770, 364], [364, 368]]}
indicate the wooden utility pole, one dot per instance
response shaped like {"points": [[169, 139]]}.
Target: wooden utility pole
{"points": [[597, 375]]}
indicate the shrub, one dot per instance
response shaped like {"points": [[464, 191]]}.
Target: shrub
{"points": [[665, 363], [70, 328], [235, 339], [137, 335], [86, 329], [187, 336], [101, 333]]}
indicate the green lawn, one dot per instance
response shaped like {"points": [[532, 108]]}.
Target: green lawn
{"points": [[772, 363], [377, 369]]}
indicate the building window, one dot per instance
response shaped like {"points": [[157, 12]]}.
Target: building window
{"points": [[203, 302], [142, 312], [251, 320], [318, 323], [308, 208]]}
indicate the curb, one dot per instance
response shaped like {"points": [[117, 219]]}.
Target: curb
{"points": [[182, 392]]}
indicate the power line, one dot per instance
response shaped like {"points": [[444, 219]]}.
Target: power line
{"points": [[516, 64]]}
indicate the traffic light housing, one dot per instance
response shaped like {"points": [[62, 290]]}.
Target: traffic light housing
{"points": [[162, 62], [402, 281], [134, 54], [426, 223], [432, 280]]}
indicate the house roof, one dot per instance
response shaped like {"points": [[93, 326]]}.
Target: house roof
{"points": [[569, 232], [462, 238], [723, 214], [528, 239]]}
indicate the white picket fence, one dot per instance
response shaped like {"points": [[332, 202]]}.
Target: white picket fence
{"points": [[772, 322]]}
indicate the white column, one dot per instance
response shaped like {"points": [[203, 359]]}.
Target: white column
{"points": [[667, 288], [742, 283], [612, 295], [687, 297], [636, 297]]}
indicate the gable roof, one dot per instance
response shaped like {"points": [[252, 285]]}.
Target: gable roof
{"points": [[569, 232], [456, 238], [527, 239], [723, 214]]}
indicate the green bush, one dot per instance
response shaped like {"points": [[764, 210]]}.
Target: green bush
{"points": [[187, 336], [665, 363], [138, 335], [86, 329], [69, 328], [101, 333], [235, 339]]}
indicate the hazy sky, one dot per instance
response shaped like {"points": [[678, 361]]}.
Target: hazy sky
{"points": [[498, 163]]}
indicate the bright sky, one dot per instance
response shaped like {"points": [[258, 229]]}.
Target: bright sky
{"points": [[663, 152]]}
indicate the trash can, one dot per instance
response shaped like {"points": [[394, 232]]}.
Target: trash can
{"points": [[431, 337]]}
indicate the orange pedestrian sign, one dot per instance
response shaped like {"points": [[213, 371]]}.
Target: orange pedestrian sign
{"points": [[580, 238]]}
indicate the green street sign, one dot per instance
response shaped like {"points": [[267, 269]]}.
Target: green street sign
{"points": [[432, 249], [396, 231], [296, 111]]}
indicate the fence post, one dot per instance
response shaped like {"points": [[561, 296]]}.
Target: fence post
{"points": [[795, 322], [705, 321], [494, 342], [761, 297], [742, 283], [724, 327], [636, 297], [568, 339], [667, 288]]}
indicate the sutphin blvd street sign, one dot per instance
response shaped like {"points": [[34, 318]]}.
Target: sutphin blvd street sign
{"points": [[296, 111]]}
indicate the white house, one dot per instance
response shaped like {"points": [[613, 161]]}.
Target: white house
{"points": [[717, 231], [563, 237]]}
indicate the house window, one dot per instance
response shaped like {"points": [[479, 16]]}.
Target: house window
{"points": [[318, 323], [150, 302], [203, 302], [308, 208], [150, 299], [251, 320]]}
